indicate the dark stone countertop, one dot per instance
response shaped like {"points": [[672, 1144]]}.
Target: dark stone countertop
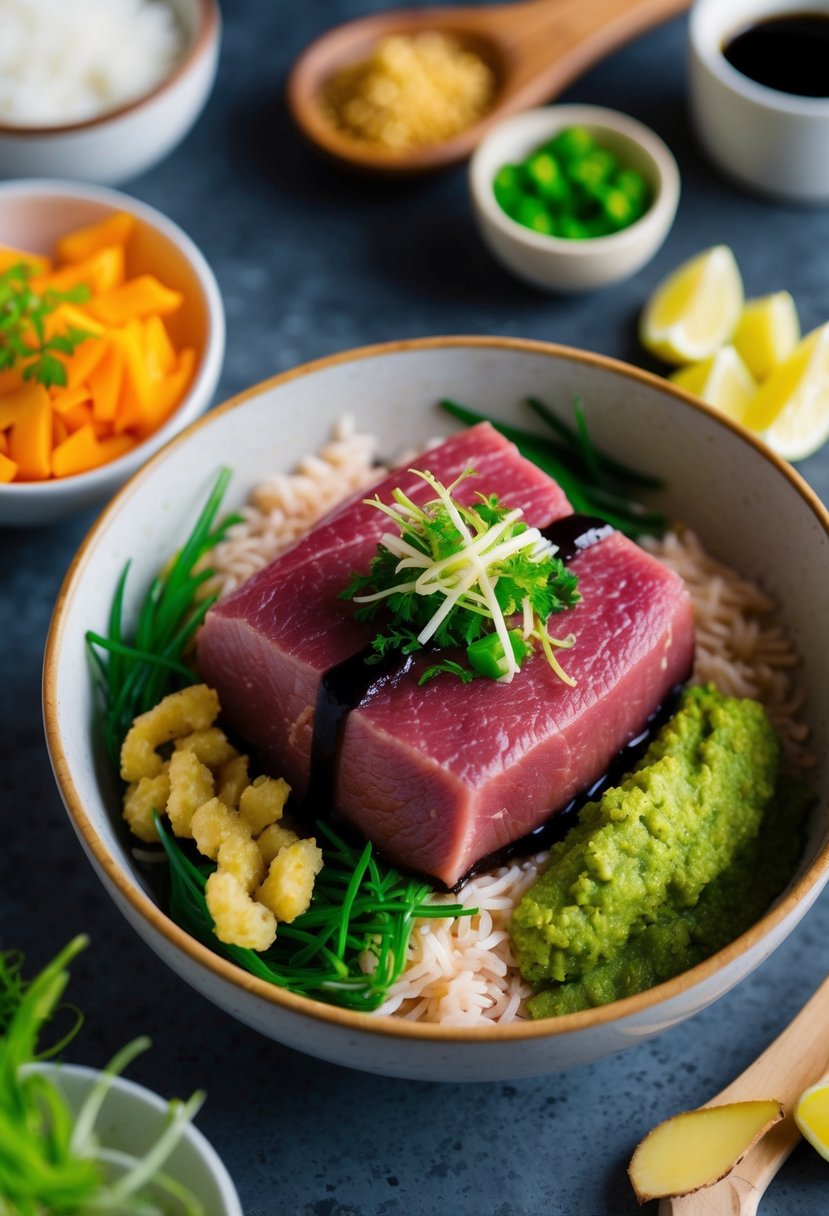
{"points": [[310, 262]]}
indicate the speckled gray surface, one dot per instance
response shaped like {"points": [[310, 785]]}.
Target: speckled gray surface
{"points": [[311, 262]]}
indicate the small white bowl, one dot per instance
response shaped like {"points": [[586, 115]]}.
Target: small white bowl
{"points": [[773, 142], [121, 143], [574, 265], [132, 1119], [33, 215], [749, 507]]}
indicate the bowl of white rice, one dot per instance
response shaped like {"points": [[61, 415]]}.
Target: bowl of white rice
{"points": [[745, 530], [100, 90]]}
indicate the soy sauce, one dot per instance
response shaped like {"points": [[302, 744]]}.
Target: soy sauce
{"points": [[789, 52]]}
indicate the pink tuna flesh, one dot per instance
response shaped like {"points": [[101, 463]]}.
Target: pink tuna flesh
{"points": [[441, 775]]}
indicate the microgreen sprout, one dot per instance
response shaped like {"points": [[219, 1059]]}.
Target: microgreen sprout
{"points": [[454, 575], [349, 948], [23, 337]]}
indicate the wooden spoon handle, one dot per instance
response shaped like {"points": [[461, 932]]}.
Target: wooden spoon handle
{"points": [[548, 42], [797, 1058]]}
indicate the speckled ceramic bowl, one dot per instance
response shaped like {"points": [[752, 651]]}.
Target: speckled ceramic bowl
{"points": [[132, 1120], [750, 509], [33, 216], [554, 263]]}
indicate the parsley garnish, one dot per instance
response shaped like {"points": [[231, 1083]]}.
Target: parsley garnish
{"points": [[454, 575], [23, 312]]}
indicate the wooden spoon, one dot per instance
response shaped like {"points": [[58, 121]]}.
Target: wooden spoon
{"points": [[798, 1058], [534, 48]]}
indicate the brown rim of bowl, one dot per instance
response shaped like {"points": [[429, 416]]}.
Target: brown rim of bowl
{"points": [[228, 972], [208, 26]]}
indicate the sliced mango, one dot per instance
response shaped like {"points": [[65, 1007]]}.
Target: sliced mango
{"points": [[81, 244], [30, 438]]}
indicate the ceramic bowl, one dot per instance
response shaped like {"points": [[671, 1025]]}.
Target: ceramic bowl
{"points": [[772, 142], [132, 1119], [122, 143], [573, 265], [33, 215], [750, 508]]}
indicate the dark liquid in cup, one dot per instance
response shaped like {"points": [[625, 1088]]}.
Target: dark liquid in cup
{"points": [[789, 53]]}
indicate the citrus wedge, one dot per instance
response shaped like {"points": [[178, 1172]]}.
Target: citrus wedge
{"points": [[812, 1117], [767, 332], [695, 310], [791, 407], [723, 381]]}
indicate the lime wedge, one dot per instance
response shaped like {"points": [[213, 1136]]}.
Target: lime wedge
{"points": [[695, 310]]}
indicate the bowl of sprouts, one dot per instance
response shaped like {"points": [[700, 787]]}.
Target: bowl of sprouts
{"points": [[81, 1139], [439, 708]]}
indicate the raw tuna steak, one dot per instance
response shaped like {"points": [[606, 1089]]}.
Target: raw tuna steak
{"points": [[266, 646], [442, 775]]}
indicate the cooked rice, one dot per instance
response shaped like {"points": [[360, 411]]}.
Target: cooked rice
{"points": [[461, 971]]}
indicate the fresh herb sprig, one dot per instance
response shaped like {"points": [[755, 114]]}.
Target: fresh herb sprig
{"points": [[23, 313], [595, 483], [51, 1159], [348, 949], [454, 575], [137, 673]]}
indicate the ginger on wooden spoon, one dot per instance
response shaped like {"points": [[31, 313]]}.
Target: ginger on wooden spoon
{"points": [[699, 1147]]}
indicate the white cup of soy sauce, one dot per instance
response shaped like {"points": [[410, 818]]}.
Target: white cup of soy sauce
{"points": [[759, 92]]}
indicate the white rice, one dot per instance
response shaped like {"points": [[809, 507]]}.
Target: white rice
{"points": [[64, 61], [461, 971]]}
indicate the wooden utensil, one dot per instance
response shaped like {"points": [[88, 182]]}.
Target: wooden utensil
{"points": [[535, 49], [798, 1058]]}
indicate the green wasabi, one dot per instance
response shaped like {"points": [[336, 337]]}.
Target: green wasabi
{"points": [[642, 855], [682, 938]]}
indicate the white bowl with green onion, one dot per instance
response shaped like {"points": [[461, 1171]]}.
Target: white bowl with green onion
{"points": [[565, 263], [129, 1138], [87, 1140], [749, 508]]}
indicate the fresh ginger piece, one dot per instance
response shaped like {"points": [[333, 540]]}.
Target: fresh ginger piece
{"points": [[137, 298], [699, 1147], [80, 244], [30, 441]]}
